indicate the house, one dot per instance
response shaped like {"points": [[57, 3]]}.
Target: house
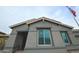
{"points": [[42, 35], [3, 38], [76, 35]]}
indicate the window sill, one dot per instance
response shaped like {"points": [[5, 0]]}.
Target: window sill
{"points": [[45, 46]]}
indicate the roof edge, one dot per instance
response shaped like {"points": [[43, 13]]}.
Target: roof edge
{"points": [[35, 20]]}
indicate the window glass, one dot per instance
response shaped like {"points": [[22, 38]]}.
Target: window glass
{"points": [[44, 36], [65, 36], [41, 38], [47, 36]]}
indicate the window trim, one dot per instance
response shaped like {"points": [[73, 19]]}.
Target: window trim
{"points": [[49, 35]]}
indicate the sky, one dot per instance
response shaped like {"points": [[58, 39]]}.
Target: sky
{"points": [[10, 15]]}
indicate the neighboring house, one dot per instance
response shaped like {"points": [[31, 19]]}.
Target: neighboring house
{"points": [[41, 35], [3, 38]]}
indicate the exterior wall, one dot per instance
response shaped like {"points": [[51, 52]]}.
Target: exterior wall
{"points": [[71, 34], [63, 50], [2, 42], [32, 38], [23, 27], [3, 39], [76, 40], [58, 42], [74, 51], [10, 42]]}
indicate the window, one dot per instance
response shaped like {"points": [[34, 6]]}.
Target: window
{"points": [[44, 36], [65, 36]]}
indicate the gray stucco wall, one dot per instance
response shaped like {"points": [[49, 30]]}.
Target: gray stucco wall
{"points": [[49, 50], [10, 42], [32, 38], [76, 33]]}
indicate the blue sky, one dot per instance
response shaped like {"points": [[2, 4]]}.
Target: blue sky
{"points": [[10, 15]]}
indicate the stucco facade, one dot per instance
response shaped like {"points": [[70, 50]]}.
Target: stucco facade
{"points": [[31, 43], [76, 35]]}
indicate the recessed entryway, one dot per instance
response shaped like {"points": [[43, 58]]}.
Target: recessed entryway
{"points": [[20, 41]]}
